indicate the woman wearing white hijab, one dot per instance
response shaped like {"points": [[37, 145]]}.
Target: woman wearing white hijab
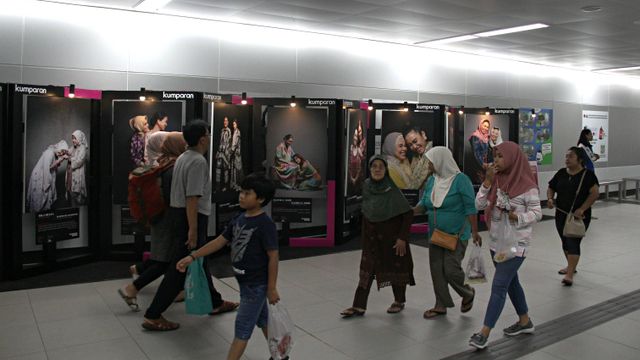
{"points": [[76, 182], [495, 139], [41, 192], [394, 151], [449, 200]]}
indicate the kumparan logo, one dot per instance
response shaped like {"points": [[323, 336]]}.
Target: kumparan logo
{"points": [[30, 90]]}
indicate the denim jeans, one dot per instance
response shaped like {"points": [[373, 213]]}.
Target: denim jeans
{"points": [[252, 311], [505, 280]]}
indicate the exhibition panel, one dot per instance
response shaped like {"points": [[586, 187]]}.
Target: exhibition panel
{"points": [[129, 120], [3, 134], [473, 132], [295, 145], [53, 177]]}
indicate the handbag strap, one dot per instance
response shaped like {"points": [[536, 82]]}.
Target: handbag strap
{"points": [[578, 191]]}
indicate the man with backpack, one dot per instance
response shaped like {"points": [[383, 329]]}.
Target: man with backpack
{"points": [[190, 210]]}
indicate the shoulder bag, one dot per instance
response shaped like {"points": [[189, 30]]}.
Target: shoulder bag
{"points": [[574, 227], [443, 239]]}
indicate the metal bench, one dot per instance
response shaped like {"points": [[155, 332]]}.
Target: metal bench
{"points": [[637, 187], [619, 183]]}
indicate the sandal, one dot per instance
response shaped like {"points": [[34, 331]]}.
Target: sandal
{"points": [[564, 271], [226, 306], [432, 313], [160, 324], [351, 312], [133, 270], [467, 305], [395, 308], [131, 301], [567, 282]]}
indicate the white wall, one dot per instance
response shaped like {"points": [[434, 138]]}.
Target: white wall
{"points": [[118, 50]]}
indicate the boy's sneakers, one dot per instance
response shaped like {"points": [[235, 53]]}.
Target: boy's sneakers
{"points": [[517, 329], [478, 341]]}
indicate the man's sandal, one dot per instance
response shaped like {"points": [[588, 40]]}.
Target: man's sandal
{"points": [[160, 324]]}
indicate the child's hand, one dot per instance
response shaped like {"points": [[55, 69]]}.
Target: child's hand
{"points": [[184, 263], [273, 296]]}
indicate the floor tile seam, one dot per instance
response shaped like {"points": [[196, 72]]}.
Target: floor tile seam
{"points": [[57, 347], [132, 337], [312, 335], [25, 354], [33, 313], [612, 340]]}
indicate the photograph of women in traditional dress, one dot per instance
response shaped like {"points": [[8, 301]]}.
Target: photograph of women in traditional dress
{"points": [[132, 124], [301, 132], [231, 146], [481, 132], [56, 158], [356, 153], [408, 166]]}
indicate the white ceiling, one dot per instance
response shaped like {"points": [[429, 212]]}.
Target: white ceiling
{"points": [[605, 39]]}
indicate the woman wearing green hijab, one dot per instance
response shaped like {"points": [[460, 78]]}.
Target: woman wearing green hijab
{"points": [[386, 256]]}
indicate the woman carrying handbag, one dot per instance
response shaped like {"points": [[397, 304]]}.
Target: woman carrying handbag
{"points": [[577, 189], [449, 201], [510, 200]]}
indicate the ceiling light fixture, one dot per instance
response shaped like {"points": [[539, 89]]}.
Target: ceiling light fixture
{"points": [[461, 111], [151, 5], [244, 99], [406, 107], [487, 112], [72, 91], [447, 40], [491, 33], [293, 101], [512, 30], [629, 68], [370, 107], [143, 94], [591, 8], [533, 113]]}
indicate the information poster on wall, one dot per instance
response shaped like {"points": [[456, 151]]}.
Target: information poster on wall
{"points": [[536, 134], [355, 160], [598, 123]]}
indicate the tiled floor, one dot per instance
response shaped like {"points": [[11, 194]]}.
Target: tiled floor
{"points": [[90, 321]]}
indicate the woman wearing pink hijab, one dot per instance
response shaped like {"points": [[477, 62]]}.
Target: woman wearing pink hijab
{"points": [[509, 190]]}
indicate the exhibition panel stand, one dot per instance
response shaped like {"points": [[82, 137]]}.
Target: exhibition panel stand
{"points": [[473, 132], [231, 122], [54, 199], [3, 134], [126, 116], [294, 143], [403, 133], [353, 124]]}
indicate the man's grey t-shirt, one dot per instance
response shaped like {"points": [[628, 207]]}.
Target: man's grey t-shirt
{"points": [[191, 178]]}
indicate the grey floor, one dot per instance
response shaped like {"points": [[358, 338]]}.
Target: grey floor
{"points": [[90, 321]]}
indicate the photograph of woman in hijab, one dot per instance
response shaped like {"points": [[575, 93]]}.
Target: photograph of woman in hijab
{"points": [[357, 156], [76, 181], [140, 126], [235, 157], [138, 129], [495, 139], [223, 158], [285, 169], [308, 177], [41, 191], [479, 141], [394, 151], [305, 134]]}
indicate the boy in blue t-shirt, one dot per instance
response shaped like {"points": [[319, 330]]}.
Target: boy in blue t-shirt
{"points": [[254, 257]]}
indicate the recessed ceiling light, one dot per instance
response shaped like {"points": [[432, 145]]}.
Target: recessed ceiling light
{"points": [[591, 8]]}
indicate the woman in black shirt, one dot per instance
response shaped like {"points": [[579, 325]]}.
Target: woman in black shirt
{"points": [[565, 184]]}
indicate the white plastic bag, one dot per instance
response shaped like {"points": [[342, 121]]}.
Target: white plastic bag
{"points": [[507, 242], [280, 329], [476, 273]]}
